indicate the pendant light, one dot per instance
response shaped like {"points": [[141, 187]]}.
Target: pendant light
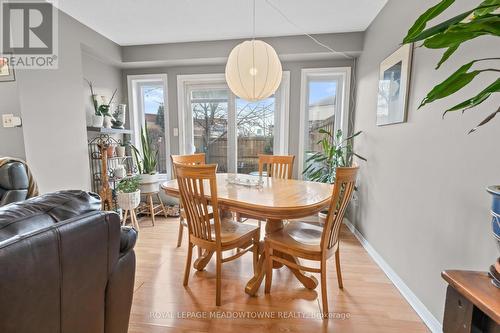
{"points": [[253, 69]]}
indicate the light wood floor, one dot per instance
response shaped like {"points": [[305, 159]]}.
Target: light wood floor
{"points": [[368, 303]]}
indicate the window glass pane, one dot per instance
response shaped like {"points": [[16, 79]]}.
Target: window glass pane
{"points": [[255, 129], [320, 112], [154, 115], [210, 124]]}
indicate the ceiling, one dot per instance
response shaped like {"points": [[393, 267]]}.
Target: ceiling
{"points": [[135, 22]]}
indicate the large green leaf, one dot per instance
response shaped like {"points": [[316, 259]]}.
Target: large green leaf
{"points": [[478, 99], [486, 7], [462, 32], [452, 84], [428, 15], [485, 120], [447, 54], [437, 28]]}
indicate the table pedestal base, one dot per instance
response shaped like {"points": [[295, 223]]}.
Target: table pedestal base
{"points": [[309, 281]]}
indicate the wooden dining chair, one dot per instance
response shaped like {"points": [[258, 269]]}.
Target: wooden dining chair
{"points": [[276, 166], [306, 241], [194, 159], [198, 189]]}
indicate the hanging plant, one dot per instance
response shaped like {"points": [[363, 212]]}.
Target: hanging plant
{"points": [[483, 20]]}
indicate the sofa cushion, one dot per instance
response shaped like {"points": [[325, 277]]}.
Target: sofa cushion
{"points": [[20, 218]]}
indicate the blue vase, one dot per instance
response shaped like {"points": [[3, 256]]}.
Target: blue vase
{"points": [[495, 211]]}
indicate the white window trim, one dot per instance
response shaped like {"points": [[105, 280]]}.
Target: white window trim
{"points": [[136, 119], [341, 112], [183, 81]]}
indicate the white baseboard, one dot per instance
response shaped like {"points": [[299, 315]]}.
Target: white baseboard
{"points": [[432, 323]]}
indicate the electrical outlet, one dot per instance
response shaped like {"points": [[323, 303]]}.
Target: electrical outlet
{"points": [[9, 121]]}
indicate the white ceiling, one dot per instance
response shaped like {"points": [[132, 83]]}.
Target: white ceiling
{"points": [[135, 22]]}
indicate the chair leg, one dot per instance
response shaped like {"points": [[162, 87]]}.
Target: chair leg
{"points": [[269, 268], [188, 264], [200, 251], [218, 278], [179, 238], [339, 272], [324, 295]]}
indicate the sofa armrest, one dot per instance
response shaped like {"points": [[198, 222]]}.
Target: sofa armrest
{"points": [[128, 237]]}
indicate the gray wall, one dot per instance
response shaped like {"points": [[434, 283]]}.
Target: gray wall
{"points": [[11, 139], [53, 110], [295, 81], [422, 199]]}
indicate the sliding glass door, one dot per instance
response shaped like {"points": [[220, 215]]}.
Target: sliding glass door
{"points": [[231, 132]]}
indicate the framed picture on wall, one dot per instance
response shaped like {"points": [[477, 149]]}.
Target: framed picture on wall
{"points": [[6, 71], [393, 86]]}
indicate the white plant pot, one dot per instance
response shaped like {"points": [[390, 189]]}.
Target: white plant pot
{"points": [[97, 121], [120, 151], [128, 200], [107, 122], [149, 183]]}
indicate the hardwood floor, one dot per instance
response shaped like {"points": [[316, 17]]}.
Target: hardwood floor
{"points": [[368, 303]]}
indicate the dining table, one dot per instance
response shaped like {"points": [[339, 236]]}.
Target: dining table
{"points": [[268, 199]]}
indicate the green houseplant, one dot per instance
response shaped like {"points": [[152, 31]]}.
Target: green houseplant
{"points": [[336, 152], [146, 161], [483, 20], [128, 194]]}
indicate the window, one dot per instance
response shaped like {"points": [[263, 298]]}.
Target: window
{"points": [[324, 106], [232, 132], [148, 97]]}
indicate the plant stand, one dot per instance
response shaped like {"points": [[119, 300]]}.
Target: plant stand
{"points": [[133, 218], [148, 207]]}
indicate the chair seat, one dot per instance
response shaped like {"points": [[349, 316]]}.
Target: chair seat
{"points": [[232, 231], [301, 236]]}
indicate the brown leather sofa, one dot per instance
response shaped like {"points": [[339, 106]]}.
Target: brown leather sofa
{"points": [[65, 266]]}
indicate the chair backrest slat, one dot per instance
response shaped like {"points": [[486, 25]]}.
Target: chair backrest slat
{"points": [[194, 159], [345, 180], [276, 166], [197, 183]]}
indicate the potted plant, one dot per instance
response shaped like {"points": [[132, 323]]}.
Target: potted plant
{"points": [[120, 150], [97, 117], [104, 110], [449, 35], [336, 152], [128, 194], [146, 163]]}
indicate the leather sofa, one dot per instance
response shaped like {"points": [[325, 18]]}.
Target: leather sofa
{"points": [[13, 183], [65, 266]]}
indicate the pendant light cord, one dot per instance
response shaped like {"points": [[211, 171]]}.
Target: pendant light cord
{"points": [[253, 19], [314, 39]]}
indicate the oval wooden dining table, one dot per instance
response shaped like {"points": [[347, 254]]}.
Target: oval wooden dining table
{"points": [[277, 200]]}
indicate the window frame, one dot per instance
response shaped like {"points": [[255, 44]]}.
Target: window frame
{"points": [[136, 112], [341, 109], [184, 84]]}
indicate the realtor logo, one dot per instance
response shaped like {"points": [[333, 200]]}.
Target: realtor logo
{"points": [[29, 33]]}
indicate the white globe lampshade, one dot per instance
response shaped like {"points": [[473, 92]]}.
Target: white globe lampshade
{"points": [[253, 70]]}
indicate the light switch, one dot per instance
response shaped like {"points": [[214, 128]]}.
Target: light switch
{"points": [[176, 131]]}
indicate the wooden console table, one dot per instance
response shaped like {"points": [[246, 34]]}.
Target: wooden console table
{"points": [[472, 303]]}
